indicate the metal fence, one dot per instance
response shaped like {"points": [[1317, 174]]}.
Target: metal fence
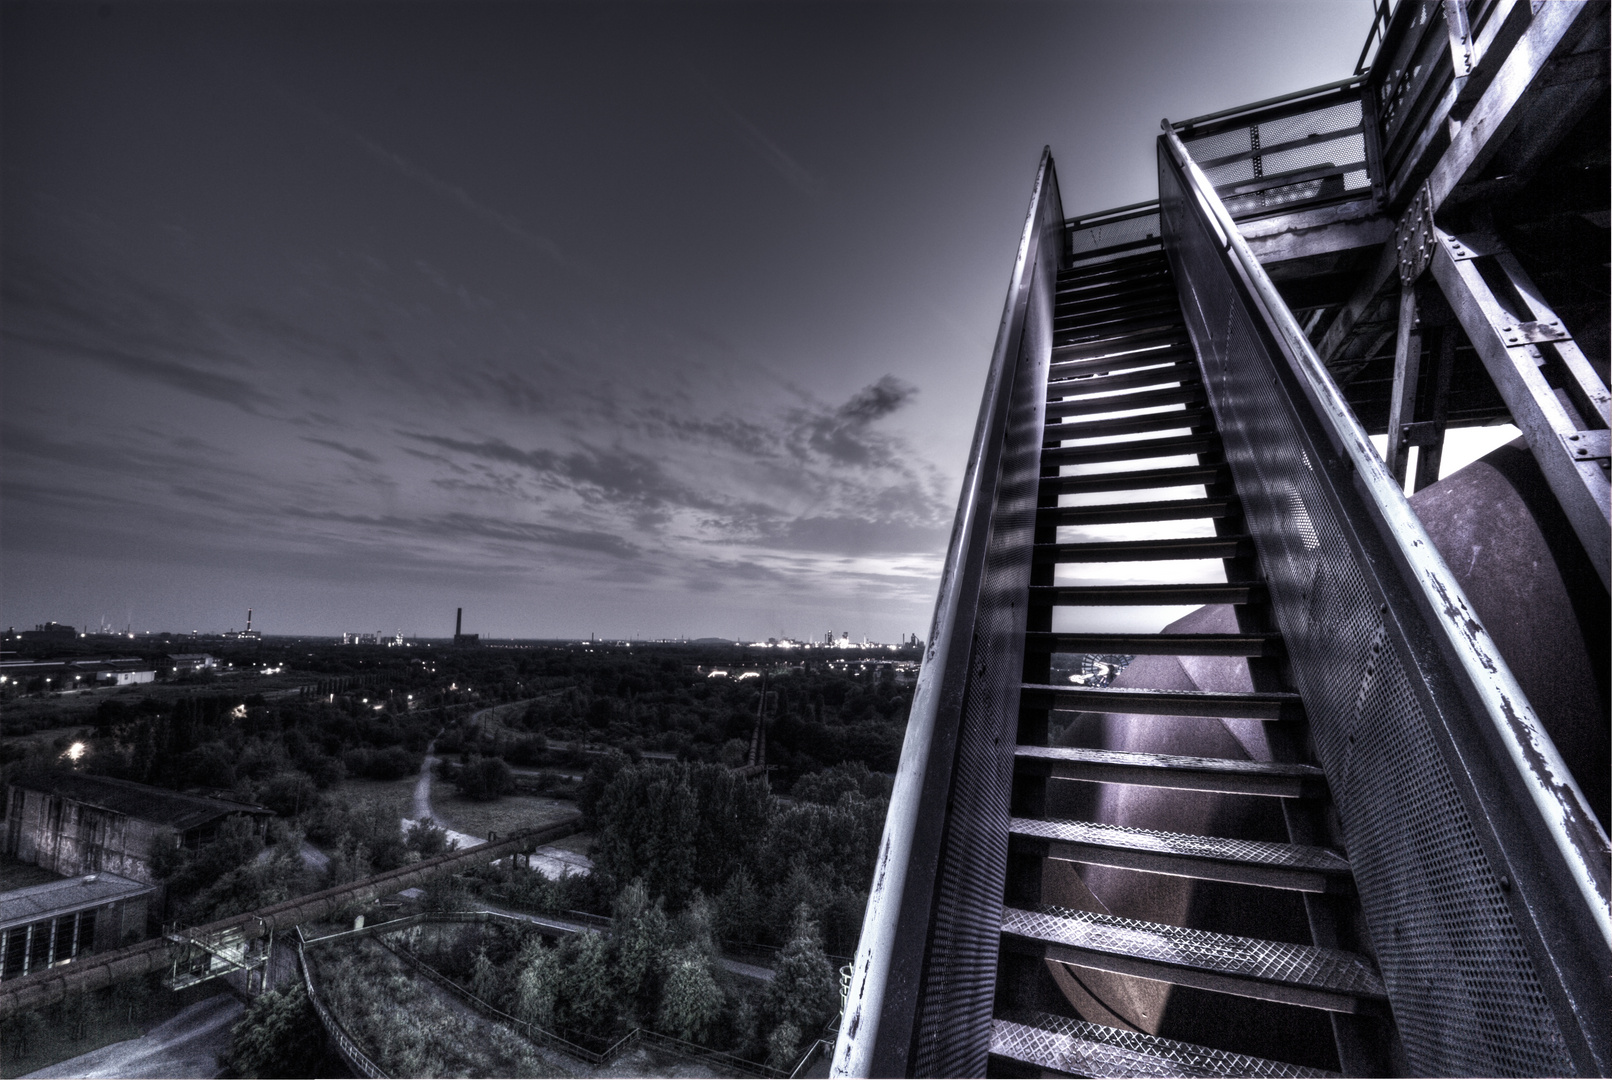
{"points": [[346, 1045], [1481, 871], [924, 979]]}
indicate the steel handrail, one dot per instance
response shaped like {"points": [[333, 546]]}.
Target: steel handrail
{"points": [[917, 801], [1571, 825]]}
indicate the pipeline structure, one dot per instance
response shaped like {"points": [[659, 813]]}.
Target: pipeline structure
{"points": [[104, 969]]}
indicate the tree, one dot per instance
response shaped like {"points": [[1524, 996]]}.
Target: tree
{"points": [[537, 984], [648, 820], [486, 982], [429, 839], [691, 998], [641, 935], [802, 994], [587, 997], [741, 908], [485, 779], [271, 1038]]}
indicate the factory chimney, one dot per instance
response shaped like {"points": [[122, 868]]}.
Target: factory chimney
{"points": [[458, 622], [249, 618]]}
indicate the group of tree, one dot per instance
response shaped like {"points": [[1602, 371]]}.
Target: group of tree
{"points": [[654, 968]]}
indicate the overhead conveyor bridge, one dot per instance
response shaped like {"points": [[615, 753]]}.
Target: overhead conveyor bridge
{"points": [[1316, 826]]}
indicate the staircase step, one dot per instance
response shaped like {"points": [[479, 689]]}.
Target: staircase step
{"points": [[1191, 393], [1258, 705], [1132, 310], [1210, 592], [1206, 442], [1206, 858], [1166, 549], [1143, 264], [1228, 776], [1135, 480], [1116, 513], [1119, 344], [1301, 975], [1118, 329], [1129, 425], [1077, 1048], [1109, 365], [1105, 303], [1180, 370], [1041, 641], [1138, 285]]}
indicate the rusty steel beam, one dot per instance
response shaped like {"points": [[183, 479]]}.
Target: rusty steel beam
{"points": [[98, 971]]}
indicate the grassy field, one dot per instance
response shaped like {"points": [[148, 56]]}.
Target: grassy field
{"points": [[392, 799], [505, 816]]}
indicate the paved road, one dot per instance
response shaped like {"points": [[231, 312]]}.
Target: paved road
{"points": [[188, 1045]]}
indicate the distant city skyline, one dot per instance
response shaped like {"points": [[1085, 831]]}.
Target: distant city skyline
{"points": [[667, 319]]}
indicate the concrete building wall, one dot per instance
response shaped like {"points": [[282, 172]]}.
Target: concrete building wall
{"points": [[72, 839]]}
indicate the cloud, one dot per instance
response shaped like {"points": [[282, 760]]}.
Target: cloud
{"points": [[843, 434], [355, 452]]}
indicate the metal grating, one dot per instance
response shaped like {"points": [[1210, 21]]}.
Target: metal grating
{"points": [[1078, 1048], [958, 987], [1314, 156], [1095, 244], [1261, 852], [1331, 970], [1465, 996]]}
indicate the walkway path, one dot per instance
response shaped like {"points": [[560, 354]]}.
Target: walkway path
{"points": [[550, 861], [189, 1044]]}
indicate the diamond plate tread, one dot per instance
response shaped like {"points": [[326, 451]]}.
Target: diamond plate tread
{"points": [[1171, 549], [1118, 345], [1191, 393], [1211, 858], [1164, 370], [1225, 704], [1078, 1048], [1208, 592], [1116, 513], [1107, 366], [1134, 450], [1276, 779], [1249, 967], [1135, 312], [1045, 641], [1135, 479], [1073, 313], [1129, 425]]}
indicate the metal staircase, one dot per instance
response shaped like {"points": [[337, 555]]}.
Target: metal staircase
{"points": [[1352, 845], [1122, 371]]}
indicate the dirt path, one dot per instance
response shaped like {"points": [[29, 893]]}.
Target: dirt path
{"points": [[189, 1045], [422, 803]]}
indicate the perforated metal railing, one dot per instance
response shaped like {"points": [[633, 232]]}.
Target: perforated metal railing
{"points": [[924, 979], [1481, 872], [1299, 151], [1093, 239]]}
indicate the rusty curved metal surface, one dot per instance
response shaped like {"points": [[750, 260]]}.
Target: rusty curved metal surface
{"points": [[105, 969]]}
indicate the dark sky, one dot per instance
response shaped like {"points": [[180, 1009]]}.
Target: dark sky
{"points": [[644, 319]]}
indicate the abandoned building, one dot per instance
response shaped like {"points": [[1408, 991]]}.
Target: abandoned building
{"points": [[75, 825], [54, 923]]}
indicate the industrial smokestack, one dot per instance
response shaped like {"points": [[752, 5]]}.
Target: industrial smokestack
{"points": [[458, 622], [249, 618]]}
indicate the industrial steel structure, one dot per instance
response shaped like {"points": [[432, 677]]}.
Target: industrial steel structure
{"points": [[1343, 840]]}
